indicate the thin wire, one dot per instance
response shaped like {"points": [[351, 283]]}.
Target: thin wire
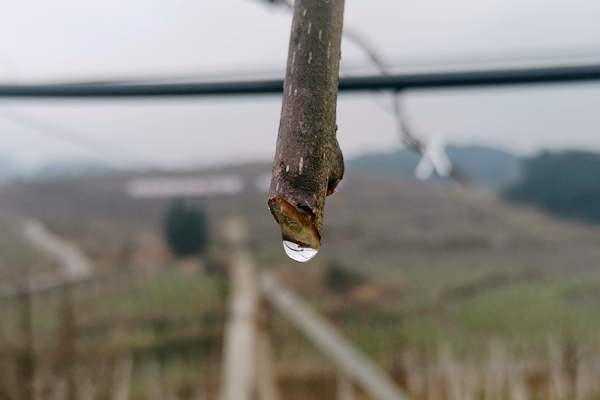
{"points": [[97, 149]]}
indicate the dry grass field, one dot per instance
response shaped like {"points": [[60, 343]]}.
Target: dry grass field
{"points": [[455, 293]]}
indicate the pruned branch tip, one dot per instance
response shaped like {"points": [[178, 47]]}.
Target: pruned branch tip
{"points": [[308, 162]]}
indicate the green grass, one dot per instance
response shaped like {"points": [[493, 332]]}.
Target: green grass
{"points": [[527, 312], [124, 311], [172, 293], [522, 310], [522, 314]]}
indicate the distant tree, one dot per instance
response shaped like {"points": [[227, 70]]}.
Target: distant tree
{"points": [[340, 279], [564, 183], [186, 229]]}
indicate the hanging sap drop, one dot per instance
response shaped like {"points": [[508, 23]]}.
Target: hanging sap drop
{"points": [[297, 252]]}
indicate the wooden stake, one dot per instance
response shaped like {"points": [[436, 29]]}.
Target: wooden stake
{"points": [[240, 336]]}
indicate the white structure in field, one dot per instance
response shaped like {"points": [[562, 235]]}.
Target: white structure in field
{"points": [[185, 186], [434, 159]]}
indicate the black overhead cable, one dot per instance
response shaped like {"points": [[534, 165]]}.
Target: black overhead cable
{"points": [[395, 82], [115, 156]]}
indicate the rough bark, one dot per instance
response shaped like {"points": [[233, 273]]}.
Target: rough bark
{"points": [[308, 162]]}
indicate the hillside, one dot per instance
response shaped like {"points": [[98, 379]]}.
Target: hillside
{"points": [[563, 183], [428, 267], [9, 169], [483, 166], [369, 217]]}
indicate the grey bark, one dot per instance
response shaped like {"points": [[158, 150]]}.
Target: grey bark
{"points": [[308, 162]]}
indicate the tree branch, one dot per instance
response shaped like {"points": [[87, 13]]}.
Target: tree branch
{"points": [[308, 162]]}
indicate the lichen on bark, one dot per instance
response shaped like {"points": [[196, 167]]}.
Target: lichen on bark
{"points": [[308, 162]]}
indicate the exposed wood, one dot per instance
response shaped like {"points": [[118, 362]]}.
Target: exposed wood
{"points": [[240, 335], [308, 162], [325, 337]]}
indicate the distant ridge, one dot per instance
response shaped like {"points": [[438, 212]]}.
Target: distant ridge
{"points": [[9, 169], [483, 166]]}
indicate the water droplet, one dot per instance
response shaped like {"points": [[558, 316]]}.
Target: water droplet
{"points": [[297, 252]]}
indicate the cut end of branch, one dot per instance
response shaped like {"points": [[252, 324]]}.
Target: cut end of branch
{"points": [[297, 226]]}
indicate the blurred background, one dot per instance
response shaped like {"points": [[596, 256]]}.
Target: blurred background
{"points": [[114, 281]]}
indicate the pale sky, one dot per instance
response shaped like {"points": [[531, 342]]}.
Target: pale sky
{"points": [[89, 40]]}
